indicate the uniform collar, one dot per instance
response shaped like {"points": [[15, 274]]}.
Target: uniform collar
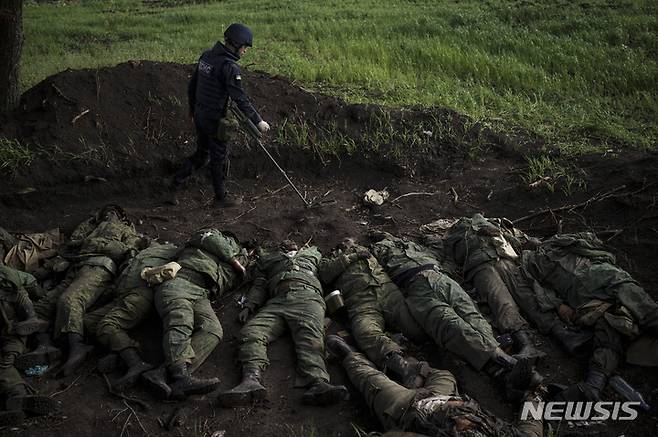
{"points": [[223, 50]]}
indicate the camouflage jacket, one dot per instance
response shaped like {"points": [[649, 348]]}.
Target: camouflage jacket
{"points": [[398, 256], [474, 242], [210, 251], [103, 244], [573, 269], [276, 266], [153, 256], [345, 271]]}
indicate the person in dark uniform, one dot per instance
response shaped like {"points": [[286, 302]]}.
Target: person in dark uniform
{"points": [[217, 79]]}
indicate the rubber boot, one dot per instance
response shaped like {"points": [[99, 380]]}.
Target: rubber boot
{"points": [[526, 348], [19, 399], [408, 372], [44, 355], [246, 392], [156, 381], [136, 366], [573, 340], [78, 352], [184, 384], [338, 347], [323, 393]]}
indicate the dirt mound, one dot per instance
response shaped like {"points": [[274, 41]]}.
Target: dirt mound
{"points": [[133, 118], [136, 130]]}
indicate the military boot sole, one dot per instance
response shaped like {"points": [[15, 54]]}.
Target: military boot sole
{"points": [[241, 398], [11, 418], [131, 376], [35, 404], [333, 395], [533, 357], [39, 357], [182, 390], [30, 326]]}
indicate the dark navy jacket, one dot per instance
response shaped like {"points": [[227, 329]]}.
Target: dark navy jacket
{"points": [[215, 79]]}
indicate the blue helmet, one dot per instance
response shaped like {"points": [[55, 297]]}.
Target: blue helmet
{"points": [[239, 35]]}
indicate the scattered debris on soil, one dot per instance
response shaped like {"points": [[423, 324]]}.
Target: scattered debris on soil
{"points": [[81, 139]]}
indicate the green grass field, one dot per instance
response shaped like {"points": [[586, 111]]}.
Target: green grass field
{"points": [[583, 74]]}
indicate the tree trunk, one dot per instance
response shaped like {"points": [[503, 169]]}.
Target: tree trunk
{"points": [[11, 42]]}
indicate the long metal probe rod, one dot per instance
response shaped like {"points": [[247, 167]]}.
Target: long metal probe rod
{"points": [[283, 173]]}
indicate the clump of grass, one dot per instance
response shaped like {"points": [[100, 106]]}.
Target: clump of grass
{"points": [[14, 155], [550, 173]]}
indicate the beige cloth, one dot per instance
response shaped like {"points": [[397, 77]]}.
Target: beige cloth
{"points": [[32, 248], [157, 275]]}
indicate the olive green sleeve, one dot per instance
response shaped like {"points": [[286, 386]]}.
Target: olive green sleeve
{"points": [[330, 268], [257, 294]]}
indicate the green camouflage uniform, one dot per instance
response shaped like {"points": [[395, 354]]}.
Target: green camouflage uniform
{"points": [[422, 410], [15, 290], [134, 301], [191, 329], [372, 300], [287, 293], [438, 303], [486, 250], [576, 270], [102, 247]]}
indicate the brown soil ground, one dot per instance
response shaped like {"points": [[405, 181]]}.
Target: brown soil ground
{"points": [[135, 133]]}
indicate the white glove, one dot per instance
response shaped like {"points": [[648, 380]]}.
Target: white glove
{"points": [[263, 126]]}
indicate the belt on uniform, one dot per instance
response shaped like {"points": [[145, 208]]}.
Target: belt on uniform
{"points": [[196, 278], [404, 278]]}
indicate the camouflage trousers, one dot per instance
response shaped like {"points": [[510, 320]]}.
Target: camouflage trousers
{"points": [[373, 310], [126, 312], [494, 282], [301, 310], [450, 317], [191, 329], [85, 286], [386, 398]]}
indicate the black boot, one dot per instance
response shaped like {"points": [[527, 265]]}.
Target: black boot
{"points": [[574, 341], [156, 382], [184, 384], [520, 379], [593, 385], [78, 352], [338, 347], [136, 366], [525, 346], [32, 322], [499, 364], [247, 391], [219, 172], [44, 355], [323, 393], [408, 372]]}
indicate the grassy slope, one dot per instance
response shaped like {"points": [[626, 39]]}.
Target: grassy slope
{"points": [[583, 74]]}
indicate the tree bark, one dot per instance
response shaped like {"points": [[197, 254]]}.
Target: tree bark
{"points": [[11, 43]]}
